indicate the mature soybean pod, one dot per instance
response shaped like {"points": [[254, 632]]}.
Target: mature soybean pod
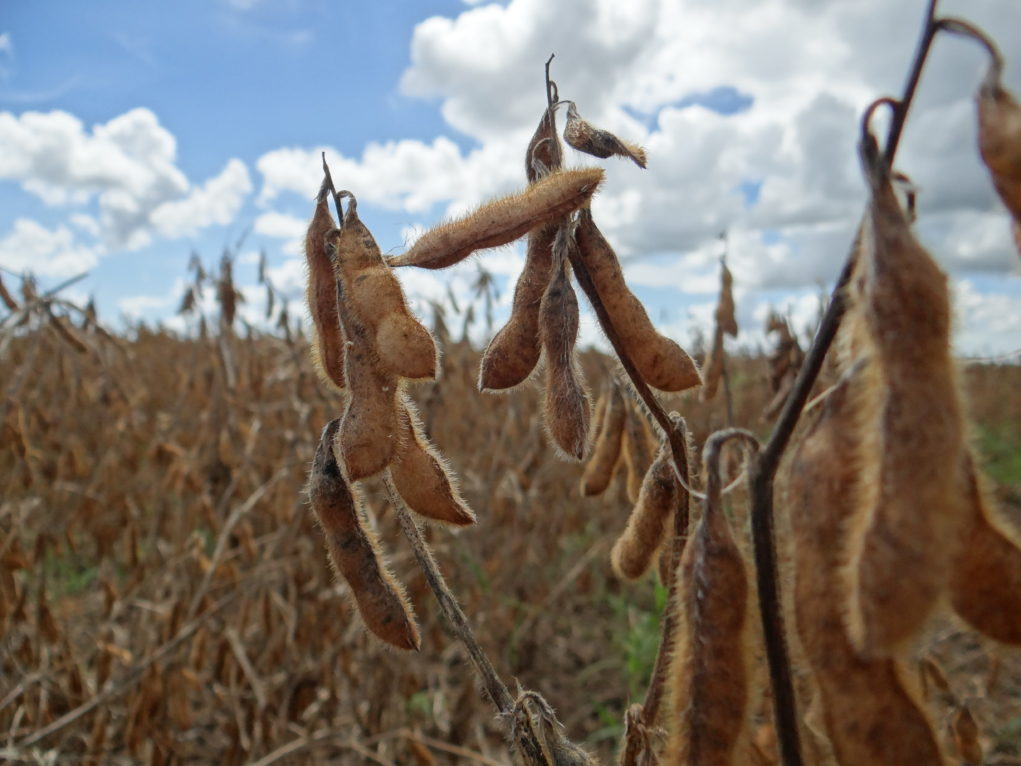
{"points": [[869, 710], [712, 370], [354, 549], [321, 296], [421, 475], [544, 153], [585, 137], [566, 403], [514, 351], [660, 361], [647, 526], [369, 432], [607, 448], [504, 220], [999, 140], [708, 685], [404, 346], [912, 520], [637, 449], [985, 584]]}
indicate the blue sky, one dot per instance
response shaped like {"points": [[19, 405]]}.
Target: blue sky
{"points": [[132, 134]]}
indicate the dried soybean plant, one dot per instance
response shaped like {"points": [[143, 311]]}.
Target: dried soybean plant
{"points": [[869, 566]]}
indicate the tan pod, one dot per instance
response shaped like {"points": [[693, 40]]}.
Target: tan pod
{"points": [[354, 550], [587, 138], [606, 450], [321, 295]]}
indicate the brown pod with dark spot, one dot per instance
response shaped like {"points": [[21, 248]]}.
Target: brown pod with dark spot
{"points": [[606, 450], [504, 220], [999, 141], [421, 475], [647, 526], [660, 361], [868, 709], [402, 343], [321, 295], [910, 520], [587, 138], [514, 351], [985, 582], [708, 686], [637, 451], [566, 404], [354, 549]]}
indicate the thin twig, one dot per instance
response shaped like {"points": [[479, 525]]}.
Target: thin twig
{"points": [[495, 688]]}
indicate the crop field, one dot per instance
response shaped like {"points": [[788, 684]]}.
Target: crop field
{"points": [[167, 597], [362, 539]]}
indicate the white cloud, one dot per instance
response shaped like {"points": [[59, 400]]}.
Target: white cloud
{"points": [[988, 323], [216, 202], [126, 168], [280, 225], [32, 247], [6, 45]]}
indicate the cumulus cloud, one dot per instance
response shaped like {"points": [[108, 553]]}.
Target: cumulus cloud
{"points": [[126, 168], [29, 246]]}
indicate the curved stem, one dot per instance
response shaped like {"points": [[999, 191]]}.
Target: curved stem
{"points": [[964, 28]]}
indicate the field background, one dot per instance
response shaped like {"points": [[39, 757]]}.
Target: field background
{"points": [[165, 596]]}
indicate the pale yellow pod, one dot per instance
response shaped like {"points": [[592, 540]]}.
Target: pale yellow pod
{"points": [[647, 526], [912, 436], [504, 220], [985, 582], [566, 406], [661, 362], [514, 351], [321, 296], [708, 686], [421, 475], [607, 447], [869, 711], [355, 552]]}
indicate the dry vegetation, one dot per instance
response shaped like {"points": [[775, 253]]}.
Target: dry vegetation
{"points": [[171, 507]]}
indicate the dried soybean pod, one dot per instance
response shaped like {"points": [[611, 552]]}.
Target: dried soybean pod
{"points": [[725, 308], [607, 447], [709, 667], [355, 552], [646, 527], [321, 295], [636, 450], [421, 475], [985, 584], [402, 343], [999, 139], [660, 361], [514, 351], [544, 153], [587, 138], [911, 519], [867, 707], [712, 370], [566, 402], [503, 220], [368, 434]]}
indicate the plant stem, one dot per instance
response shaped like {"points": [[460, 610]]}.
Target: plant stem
{"points": [[495, 688]]}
